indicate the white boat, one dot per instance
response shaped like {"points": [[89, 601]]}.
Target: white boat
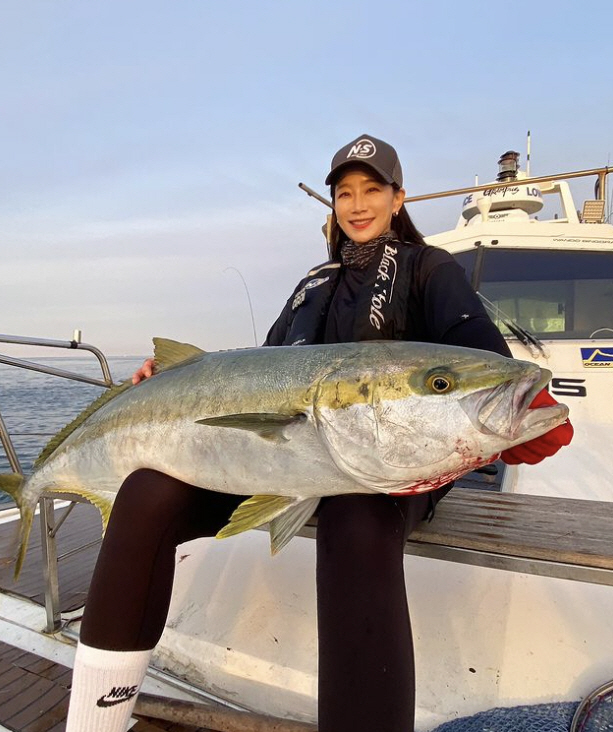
{"points": [[242, 624]]}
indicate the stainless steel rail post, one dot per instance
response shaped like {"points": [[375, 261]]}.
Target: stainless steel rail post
{"points": [[9, 448], [48, 526], [50, 566]]}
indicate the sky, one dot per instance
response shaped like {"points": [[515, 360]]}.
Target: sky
{"points": [[152, 150]]}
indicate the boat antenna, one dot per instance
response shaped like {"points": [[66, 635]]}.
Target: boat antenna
{"points": [[314, 194], [255, 337], [528, 156], [610, 201]]}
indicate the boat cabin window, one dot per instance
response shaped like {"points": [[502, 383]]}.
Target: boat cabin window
{"points": [[554, 294]]}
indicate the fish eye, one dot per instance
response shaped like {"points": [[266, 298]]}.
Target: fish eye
{"points": [[439, 384]]}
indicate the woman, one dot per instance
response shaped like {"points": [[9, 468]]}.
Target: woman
{"points": [[382, 282]]}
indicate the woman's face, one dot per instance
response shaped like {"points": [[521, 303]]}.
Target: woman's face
{"points": [[364, 205]]}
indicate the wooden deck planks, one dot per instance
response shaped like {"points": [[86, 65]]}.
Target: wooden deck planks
{"points": [[33, 691], [82, 526], [566, 538], [571, 531], [34, 695]]}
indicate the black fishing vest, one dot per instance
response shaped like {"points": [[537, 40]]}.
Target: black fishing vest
{"points": [[389, 302]]}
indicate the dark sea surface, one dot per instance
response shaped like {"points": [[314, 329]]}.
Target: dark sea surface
{"points": [[35, 406]]}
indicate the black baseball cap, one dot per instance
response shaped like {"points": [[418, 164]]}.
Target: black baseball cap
{"points": [[367, 150]]}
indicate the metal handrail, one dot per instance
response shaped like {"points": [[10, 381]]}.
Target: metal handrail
{"points": [[600, 172], [47, 343], [48, 525], [74, 344]]}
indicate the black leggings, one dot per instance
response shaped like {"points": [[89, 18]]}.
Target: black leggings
{"points": [[366, 667]]}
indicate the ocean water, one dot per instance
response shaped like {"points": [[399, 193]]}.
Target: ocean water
{"points": [[35, 406]]}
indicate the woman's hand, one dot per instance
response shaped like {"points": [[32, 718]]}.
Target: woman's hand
{"points": [[144, 372], [546, 445]]}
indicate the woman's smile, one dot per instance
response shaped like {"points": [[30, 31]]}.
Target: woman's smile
{"points": [[364, 205], [361, 223]]}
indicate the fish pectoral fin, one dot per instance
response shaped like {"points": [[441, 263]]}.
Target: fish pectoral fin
{"points": [[167, 353], [254, 512], [288, 524], [270, 426]]}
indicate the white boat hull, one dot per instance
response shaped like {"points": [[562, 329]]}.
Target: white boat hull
{"points": [[243, 625]]}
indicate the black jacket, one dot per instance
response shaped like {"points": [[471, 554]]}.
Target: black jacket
{"points": [[408, 292]]}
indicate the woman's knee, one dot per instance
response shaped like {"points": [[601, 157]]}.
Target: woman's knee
{"points": [[152, 501], [360, 522], [146, 494]]}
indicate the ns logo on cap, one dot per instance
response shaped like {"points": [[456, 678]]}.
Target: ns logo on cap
{"points": [[363, 148]]}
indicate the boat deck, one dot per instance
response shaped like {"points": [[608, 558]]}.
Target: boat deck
{"points": [[34, 696], [34, 691], [82, 527]]}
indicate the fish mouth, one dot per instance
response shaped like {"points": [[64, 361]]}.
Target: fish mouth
{"points": [[503, 410]]}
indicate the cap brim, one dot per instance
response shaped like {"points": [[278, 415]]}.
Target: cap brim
{"points": [[333, 174]]}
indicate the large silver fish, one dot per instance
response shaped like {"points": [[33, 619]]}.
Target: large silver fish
{"points": [[290, 425]]}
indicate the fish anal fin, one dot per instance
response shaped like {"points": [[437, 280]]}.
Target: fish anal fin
{"points": [[254, 512], [102, 500], [167, 353], [269, 426], [288, 524]]}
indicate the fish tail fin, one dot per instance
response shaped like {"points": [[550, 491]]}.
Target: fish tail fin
{"points": [[286, 517], [27, 516], [12, 483]]}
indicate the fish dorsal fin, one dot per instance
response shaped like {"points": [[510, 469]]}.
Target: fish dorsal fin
{"points": [[57, 439], [168, 353]]}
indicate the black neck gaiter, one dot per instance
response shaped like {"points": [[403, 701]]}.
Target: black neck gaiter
{"points": [[359, 256]]}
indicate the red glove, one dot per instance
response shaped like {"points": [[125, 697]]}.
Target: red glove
{"points": [[546, 445]]}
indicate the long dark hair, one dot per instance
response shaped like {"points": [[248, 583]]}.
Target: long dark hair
{"points": [[402, 225]]}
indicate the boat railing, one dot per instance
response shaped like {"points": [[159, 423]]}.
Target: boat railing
{"points": [[49, 527], [600, 173], [600, 195]]}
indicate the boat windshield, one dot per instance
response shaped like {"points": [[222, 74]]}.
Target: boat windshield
{"points": [[551, 293]]}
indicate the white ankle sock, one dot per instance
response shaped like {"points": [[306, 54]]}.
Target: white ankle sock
{"points": [[104, 688]]}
